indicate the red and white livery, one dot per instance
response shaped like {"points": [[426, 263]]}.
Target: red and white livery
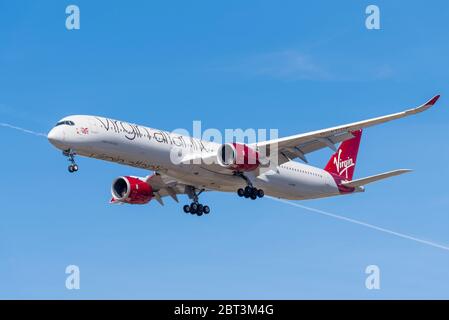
{"points": [[249, 170]]}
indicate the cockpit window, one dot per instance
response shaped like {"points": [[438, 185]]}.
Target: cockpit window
{"points": [[67, 122]]}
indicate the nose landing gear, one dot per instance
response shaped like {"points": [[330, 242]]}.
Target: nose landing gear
{"points": [[195, 207], [70, 154], [73, 168]]}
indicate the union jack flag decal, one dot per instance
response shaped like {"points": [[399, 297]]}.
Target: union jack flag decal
{"points": [[82, 130]]}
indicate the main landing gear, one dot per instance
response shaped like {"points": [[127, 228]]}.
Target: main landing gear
{"points": [[249, 191], [73, 167], [195, 207]]}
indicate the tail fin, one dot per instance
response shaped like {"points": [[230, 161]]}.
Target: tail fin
{"points": [[342, 163]]}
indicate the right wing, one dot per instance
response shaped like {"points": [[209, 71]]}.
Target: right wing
{"points": [[298, 146]]}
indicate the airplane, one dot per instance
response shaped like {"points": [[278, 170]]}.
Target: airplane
{"points": [[252, 170]]}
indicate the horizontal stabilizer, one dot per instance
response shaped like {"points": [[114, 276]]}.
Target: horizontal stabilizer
{"points": [[377, 177]]}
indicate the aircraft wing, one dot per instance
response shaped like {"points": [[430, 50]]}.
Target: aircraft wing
{"points": [[164, 185], [298, 146]]}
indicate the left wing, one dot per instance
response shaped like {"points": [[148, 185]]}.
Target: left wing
{"points": [[164, 185], [298, 146]]}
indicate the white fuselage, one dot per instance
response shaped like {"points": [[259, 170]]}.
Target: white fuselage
{"points": [[147, 148]]}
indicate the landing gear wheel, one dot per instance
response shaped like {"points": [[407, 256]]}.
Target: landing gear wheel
{"points": [[254, 193], [73, 167], [251, 192], [196, 208], [193, 208]]}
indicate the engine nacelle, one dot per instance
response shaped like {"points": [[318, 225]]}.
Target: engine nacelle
{"points": [[238, 157], [131, 190]]}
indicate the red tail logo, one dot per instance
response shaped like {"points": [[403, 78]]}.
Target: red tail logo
{"points": [[342, 163]]}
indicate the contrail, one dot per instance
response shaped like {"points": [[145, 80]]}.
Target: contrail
{"points": [[39, 134], [361, 223], [328, 214]]}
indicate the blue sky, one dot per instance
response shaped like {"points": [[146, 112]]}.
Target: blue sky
{"points": [[296, 66]]}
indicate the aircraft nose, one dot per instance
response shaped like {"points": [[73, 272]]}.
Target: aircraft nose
{"points": [[55, 136]]}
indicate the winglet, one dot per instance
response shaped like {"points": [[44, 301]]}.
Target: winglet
{"points": [[423, 107], [433, 100]]}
